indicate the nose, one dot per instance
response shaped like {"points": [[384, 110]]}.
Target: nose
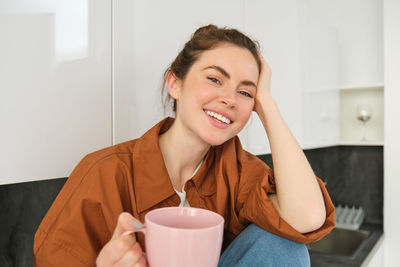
{"points": [[228, 97]]}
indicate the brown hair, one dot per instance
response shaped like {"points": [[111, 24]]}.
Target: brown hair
{"points": [[205, 38]]}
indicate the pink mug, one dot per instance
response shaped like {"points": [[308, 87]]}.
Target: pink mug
{"points": [[183, 237]]}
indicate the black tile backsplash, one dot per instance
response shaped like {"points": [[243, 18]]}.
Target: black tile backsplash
{"points": [[354, 176]]}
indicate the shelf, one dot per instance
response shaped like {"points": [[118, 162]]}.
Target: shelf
{"points": [[341, 143], [317, 145], [365, 87], [361, 143]]}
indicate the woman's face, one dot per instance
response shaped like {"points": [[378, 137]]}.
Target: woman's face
{"points": [[216, 98]]}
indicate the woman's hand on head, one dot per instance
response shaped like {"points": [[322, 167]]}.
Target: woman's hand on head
{"points": [[263, 85], [122, 249]]}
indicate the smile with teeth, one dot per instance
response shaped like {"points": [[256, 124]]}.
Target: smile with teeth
{"points": [[218, 117]]}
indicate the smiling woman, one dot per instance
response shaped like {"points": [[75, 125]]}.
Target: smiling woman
{"points": [[196, 160]]}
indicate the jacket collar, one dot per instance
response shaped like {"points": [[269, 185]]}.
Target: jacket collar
{"points": [[151, 181], [150, 176]]}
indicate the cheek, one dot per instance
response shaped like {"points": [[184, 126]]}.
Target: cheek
{"points": [[245, 110], [205, 93]]}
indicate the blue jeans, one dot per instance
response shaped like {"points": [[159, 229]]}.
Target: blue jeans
{"points": [[257, 247]]}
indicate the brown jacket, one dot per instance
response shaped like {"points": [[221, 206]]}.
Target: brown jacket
{"points": [[132, 177]]}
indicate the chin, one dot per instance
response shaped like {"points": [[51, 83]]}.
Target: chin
{"points": [[216, 143], [215, 140]]}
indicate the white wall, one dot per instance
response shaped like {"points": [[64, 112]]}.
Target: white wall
{"points": [[392, 132]]}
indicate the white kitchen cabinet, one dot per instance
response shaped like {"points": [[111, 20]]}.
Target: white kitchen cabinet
{"points": [[55, 86], [77, 75], [302, 50], [360, 32], [320, 79]]}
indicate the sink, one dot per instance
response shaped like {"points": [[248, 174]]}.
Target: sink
{"points": [[341, 242]]}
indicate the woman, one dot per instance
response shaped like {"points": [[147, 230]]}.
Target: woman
{"points": [[195, 160]]}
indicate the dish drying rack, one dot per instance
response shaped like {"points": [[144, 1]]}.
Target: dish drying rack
{"points": [[349, 218]]}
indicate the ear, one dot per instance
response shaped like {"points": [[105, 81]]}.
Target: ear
{"points": [[173, 84]]}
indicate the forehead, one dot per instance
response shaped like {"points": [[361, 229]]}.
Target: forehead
{"points": [[237, 61]]}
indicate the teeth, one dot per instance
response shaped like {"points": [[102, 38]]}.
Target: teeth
{"points": [[218, 116]]}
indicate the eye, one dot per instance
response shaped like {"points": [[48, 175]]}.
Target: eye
{"points": [[214, 80], [246, 94]]}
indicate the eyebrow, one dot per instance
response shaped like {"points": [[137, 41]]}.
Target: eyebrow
{"points": [[226, 74]]}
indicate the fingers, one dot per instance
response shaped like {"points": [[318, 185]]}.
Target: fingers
{"points": [[133, 257], [266, 69], [263, 86], [142, 262], [264, 80], [115, 250], [122, 249]]}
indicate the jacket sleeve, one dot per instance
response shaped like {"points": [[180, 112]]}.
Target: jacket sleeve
{"points": [[82, 218], [255, 183]]}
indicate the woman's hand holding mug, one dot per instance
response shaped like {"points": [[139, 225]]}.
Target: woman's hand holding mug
{"points": [[174, 237], [122, 249]]}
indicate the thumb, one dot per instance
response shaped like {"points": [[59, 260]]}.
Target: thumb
{"points": [[126, 224]]}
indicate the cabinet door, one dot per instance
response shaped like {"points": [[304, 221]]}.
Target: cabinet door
{"points": [[148, 36], [55, 98], [275, 25], [302, 50], [319, 50]]}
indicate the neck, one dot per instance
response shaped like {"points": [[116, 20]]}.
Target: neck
{"points": [[182, 152]]}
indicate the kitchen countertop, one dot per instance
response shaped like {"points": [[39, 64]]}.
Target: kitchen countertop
{"points": [[319, 259]]}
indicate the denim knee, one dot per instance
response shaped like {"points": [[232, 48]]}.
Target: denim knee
{"points": [[257, 247]]}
